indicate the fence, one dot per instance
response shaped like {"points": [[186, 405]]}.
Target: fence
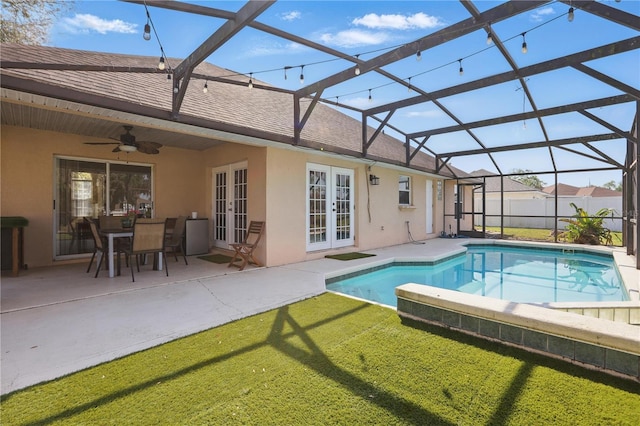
{"points": [[539, 213]]}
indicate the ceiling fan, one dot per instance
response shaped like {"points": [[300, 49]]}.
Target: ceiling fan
{"points": [[127, 143]]}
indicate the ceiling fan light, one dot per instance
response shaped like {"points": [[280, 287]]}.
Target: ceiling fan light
{"points": [[128, 148]]}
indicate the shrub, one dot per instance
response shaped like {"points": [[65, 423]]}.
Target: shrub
{"points": [[584, 228]]}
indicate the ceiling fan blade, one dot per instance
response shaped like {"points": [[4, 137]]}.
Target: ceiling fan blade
{"points": [[145, 149], [148, 147], [155, 145], [102, 143]]}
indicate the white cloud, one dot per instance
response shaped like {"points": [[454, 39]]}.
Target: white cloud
{"points": [[425, 114], [274, 49], [399, 22], [290, 16], [354, 38], [85, 23], [541, 14]]}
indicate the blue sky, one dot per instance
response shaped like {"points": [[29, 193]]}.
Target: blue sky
{"points": [[368, 29]]}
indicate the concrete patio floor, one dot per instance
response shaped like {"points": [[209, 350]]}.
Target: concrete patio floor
{"points": [[58, 320]]}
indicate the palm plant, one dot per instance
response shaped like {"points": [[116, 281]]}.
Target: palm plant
{"points": [[584, 228]]}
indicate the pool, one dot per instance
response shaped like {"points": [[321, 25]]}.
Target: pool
{"points": [[522, 275]]}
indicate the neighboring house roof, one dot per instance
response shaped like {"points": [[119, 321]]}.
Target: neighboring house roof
{"points": [[492, 184], [135, 86], [587, 191], [563, 189], [597, 191]]}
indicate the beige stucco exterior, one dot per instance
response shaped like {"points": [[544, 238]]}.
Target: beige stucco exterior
{"points": [[183, 182]]}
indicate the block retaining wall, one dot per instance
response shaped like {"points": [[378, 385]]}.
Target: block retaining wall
{"points": [[594, 343]]}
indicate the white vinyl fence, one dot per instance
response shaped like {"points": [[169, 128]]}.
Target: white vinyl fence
{"points": [[545, 207]]}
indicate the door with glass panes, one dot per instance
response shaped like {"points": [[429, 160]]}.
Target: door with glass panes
{"points": [[329, 207], [87, 189], [229, 204]]}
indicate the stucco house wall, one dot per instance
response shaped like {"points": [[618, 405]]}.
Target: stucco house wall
{"points": [[27, 179], [183, 182]]}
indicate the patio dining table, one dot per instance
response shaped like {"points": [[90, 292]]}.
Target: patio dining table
{"points": [[111, 235]]}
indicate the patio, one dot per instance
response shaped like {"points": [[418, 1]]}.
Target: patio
{"points": [[58, 320]]}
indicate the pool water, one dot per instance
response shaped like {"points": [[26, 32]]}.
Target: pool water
{"points": [[520, 275]]}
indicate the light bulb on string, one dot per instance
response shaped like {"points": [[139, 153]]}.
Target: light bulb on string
{"points": [[419, 56], [461, 70], [370, 98], [205, 89], [409, 87], [524, 44], [250, 81], [285, 71], [302, 74], [570, 15], [489, 38], [356, 71], [161, 64], [147, 32]]}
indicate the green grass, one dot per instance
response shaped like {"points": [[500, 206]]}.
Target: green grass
{"points": [[531, 234], [329, 360]]}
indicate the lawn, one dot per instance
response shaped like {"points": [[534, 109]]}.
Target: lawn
{"points": [[329, 360]]}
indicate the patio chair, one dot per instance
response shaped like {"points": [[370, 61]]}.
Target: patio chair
{"points": [[244, 250], [99, 245], [175, 240], [148, 238]]}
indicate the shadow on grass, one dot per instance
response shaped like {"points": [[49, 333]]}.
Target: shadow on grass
{"points": [[319, 362], [106, 399]]}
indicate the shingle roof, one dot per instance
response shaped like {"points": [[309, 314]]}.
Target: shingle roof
{"points": [[587, 191], [228, 104]]}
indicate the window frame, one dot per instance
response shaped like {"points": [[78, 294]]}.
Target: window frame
{"points": [[407, 191]]}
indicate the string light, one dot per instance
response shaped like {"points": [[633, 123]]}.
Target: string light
{"points": [[460, 71], [570, 15], [524, 44], [409, 87], [147, 31], [285, 71], [205, 89], [161, 64], [370, 98], [357, 69], [250, 81], [419, 56], [301, 74], [489, 38]]}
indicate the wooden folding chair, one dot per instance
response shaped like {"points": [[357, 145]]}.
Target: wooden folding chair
{"points": [[244, 250]]}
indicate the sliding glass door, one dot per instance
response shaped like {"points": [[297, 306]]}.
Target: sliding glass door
{"points": [[89, 189]]}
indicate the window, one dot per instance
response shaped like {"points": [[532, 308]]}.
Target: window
{"points": [[404, 190]]}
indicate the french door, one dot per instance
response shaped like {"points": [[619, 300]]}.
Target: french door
{"points": [[329, 207], [229, 204]]}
